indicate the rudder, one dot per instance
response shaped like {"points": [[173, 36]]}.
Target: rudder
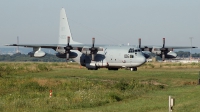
{"points": [[64, 30]]}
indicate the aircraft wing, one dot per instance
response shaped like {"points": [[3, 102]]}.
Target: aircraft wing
{"points": [[34, 45], [167, 47], [75, 46]]}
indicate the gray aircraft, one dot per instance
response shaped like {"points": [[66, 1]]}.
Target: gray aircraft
{"points": [[91, 56]]}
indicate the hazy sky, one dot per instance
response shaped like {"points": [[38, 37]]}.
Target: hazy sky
{"points": [[109, 21]]}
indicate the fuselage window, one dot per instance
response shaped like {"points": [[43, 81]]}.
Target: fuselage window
{"points": [[131, 56], [126, 56]]}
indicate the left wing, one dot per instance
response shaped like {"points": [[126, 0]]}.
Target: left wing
{"points": [[61, 48], [163, 51]]}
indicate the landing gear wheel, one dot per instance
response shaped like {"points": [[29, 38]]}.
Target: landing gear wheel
{"points": [[113, 68], [134, 69], [92, 68]]}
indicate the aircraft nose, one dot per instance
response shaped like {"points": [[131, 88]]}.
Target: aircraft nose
{"points": [[141, 59]]}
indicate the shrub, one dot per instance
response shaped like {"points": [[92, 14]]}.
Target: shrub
{"points": [[42, 67]]}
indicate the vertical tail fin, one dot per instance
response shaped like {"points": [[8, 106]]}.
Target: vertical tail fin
{"points": [[64, 30]]}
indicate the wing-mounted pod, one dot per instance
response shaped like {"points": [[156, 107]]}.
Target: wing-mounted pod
{"points": [[91, 50], [37, 52]]}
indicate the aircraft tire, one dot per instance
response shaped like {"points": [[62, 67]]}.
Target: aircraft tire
{"points": [[112, 68], [92, 68], [135, 69]]}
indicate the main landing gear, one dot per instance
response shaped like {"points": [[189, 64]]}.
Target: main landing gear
{"points": [[92, 68], [113, 68], [133, 69]]}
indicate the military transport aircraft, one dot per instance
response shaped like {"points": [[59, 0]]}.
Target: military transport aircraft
{"points": [[93, 56]]}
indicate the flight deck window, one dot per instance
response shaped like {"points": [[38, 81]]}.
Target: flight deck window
{"points": [[131, 50]]}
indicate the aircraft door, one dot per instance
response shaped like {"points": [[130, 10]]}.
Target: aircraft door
{"points": [[131, 57], [109, 55]]}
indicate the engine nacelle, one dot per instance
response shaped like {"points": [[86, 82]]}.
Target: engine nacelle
{"points": [[60, 50], [37, 52], [171, 54], [85, 50], [71, 55], [156, 51], [168, 53]]}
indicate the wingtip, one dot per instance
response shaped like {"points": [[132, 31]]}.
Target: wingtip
{"points": [[10, 45]]}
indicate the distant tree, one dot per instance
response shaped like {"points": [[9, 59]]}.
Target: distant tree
{"points": [[24, 57], [183, 54]]}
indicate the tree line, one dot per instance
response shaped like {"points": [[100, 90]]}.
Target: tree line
{"points": [[24, 58]]}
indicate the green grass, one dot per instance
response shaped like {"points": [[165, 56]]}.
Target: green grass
{"points": [[25, 87]]}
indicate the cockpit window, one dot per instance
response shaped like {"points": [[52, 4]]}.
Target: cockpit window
{"points": [[131, 50], [137, 50]]}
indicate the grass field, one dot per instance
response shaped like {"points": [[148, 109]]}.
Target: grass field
{"points": [[25, 87]]}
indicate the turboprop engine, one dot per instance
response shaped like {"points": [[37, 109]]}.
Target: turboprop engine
{"points": [[71, 55], [168, 53], [91, 50], [171, 54], [163, 52], [37, 52]]}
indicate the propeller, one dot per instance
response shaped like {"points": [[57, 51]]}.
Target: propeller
{"points": [[93, 50], [139, 42], [144, 48], [68, 48], [163, 42], [163, 50]]}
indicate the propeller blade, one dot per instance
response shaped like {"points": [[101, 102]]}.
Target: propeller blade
{"points": [[139, 42], [67, 56], [68, 40], [163, 42], [92, 57], [163, 56], [93, 40]]}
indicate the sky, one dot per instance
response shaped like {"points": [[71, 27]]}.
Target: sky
{"points": [[109, 21]]}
